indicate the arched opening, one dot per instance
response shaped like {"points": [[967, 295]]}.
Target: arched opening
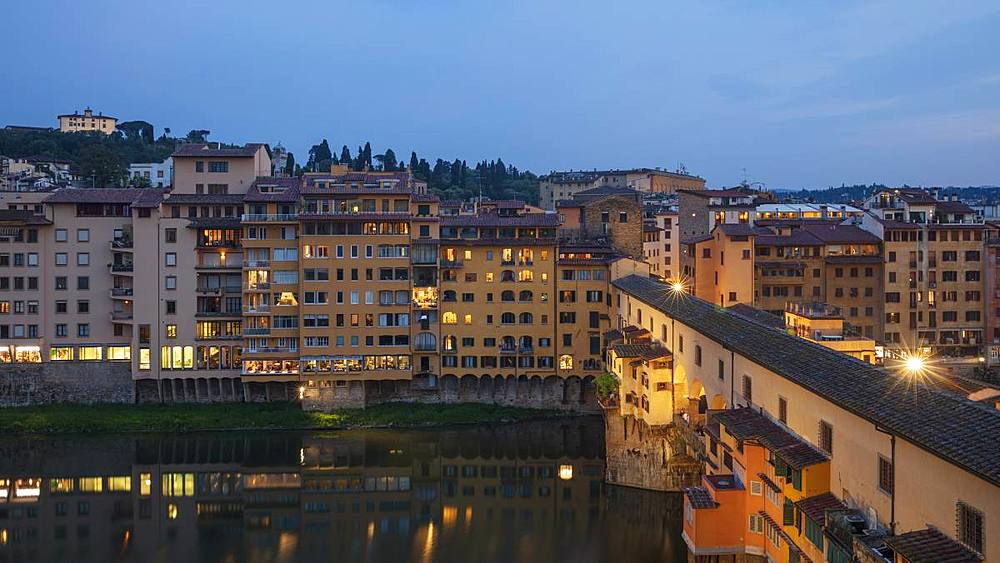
{"points": [[718, 403], [507, 296], [525, 296], [526, 319]]}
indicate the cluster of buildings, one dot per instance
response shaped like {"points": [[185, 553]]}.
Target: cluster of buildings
{"points": [[752, 358]]}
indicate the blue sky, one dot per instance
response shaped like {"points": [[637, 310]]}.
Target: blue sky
{"points": [[800, 94]]}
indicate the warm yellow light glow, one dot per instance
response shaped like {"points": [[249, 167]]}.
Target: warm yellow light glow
{"points": [[677, 287], [302, 392], [915, 364], [565, 472], [172, 511]]}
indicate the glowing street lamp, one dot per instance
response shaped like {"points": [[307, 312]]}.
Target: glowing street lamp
{"points": [[914, 364]]}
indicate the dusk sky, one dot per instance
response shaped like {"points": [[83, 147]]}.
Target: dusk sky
{"points": [[801, 94]]}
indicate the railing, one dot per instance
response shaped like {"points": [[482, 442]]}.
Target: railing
{"points": [[268, 217], [451, 263], [257, 309], [256, 331], [259, 286], [218, 266], [270, 350], [121, 268], [256, 263], [218, 313], [219, 244], [122, 243], [121, 292], [219, 290], [121, 315], [425, 347], [361, 212]]}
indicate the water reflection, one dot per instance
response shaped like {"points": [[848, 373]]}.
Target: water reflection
{"points": [[524, 492]]}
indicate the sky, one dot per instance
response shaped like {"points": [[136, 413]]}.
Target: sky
{"points": [[797, 94]]}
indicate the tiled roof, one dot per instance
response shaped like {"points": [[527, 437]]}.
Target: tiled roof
{"points": [[22, 217], [695, 239], [815, 507], [748, 424], [209, 151], [106, 195], [931, 546], [204, 199], [834, 234], [756, 315], [492, 219], [957, 430], [953, 207], [425, 198], [289, 193], [736, 229], [215, 223], [731, 192], [644, 351], [699, 497], [607, 190]]}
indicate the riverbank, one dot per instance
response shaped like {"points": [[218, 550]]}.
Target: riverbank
{"points": [[67, 418]]}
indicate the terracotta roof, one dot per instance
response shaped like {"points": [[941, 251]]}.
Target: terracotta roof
{"points": [[931, 546], [644, 351], [736, 229], [492, 219], [953, 207], [756, 315], [208, 151], [699, 497], [695, 239], [815, 507], [289, 193], [204, 199], [142, 196], [833, 234], [955, 429], [748, 424], [22, 217], [428, 198], [731, 192]]}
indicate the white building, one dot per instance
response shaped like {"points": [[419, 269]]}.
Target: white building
{"points": [[159, 174]]}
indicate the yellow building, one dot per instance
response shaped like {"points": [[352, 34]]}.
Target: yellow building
{"points": [[824, 324], [86, 122]]}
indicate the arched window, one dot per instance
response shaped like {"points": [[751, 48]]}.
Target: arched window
{"points": [[525, 275], [450, 343], [426, 341], [565, 361], [526, 319], [525, 295], [526, 344], [449, 318], [507, 296], [507, 343], [507, 318], [507, 275], [450, 295]]}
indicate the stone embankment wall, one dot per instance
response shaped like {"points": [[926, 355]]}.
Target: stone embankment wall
{"points": [[571, 394], [24, 385], [646, 457]]}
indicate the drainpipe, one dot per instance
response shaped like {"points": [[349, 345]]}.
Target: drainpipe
{"points": [[673, 361], [732, 379], [892, 460]]}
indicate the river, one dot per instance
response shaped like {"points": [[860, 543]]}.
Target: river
{"points": [[531, 492]]}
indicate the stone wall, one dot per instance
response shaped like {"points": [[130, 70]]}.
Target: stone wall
{"points": [[626, 237], [639, 455], [572, 393], [61, 382]]}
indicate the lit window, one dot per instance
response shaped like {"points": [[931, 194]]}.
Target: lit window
{"points": [[468, 319], [91, 353], [565, 361], [119, 353], [449, 318], [171, 331], [144, 358], [60, 353], [489, 276]]}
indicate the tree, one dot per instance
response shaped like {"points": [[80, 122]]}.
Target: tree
{"points": [[366, 159], [137, 131], [290, 165], [139, 182], [413, 160], [102, 166], [198, 136], [320, 156], [387, 161]]}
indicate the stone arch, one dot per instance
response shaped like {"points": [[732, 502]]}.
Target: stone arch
{"points": [[485, 391], [572, 391], [449, 388], [718, 403], [536, 392], [468, 388], [588, 392], [510, 386], [553, 390]]}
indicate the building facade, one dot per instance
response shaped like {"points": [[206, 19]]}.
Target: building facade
{"points": [[87, 122], [558, 186], [157, 174]]}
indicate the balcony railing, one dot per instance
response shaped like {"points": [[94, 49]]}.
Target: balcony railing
{"points": [[121, 315], [256, 331], [259, 286], [121, 244], [121, 268], [219, 265], [269, 217], [445, 263], [121, 292], [257, 309], [256, 263], [272, 350], [220, 290]]}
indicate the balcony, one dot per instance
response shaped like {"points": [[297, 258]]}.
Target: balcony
{"points": [[247, 264], [219, 290], [257, 310], [122, 243], [121, 316], [445, 263], [121, 268], [121, 292], [259, 286], [204, 314], [269, 217], [227, 265], [283, 350], [256, 331]]}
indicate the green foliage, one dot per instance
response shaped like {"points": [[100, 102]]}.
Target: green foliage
{"points": [[198, 136], [137, 131], [607, 385], [69, 418], [95, 156], [290, 165]]}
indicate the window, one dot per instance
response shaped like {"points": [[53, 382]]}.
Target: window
{"points": [[970, 526], [783, 410], [82, 282], [170, 235], [82, 258], [83, 235], [756, 524], [885, 476], [170, 282], [217, 166], [748, 388], [826, 436], [170, 259], [62, 258], [61, 235], [171, 331], [697, 355]]}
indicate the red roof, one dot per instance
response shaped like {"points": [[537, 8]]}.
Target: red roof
{"points": [[207, 150]]}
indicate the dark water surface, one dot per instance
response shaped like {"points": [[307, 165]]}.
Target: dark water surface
{"points": [[530, 492]]}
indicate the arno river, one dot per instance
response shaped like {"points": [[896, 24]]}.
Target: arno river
{"points": [[530, 492]]}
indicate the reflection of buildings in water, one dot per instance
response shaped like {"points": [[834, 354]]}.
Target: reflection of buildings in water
{"points": [[406, 492]]}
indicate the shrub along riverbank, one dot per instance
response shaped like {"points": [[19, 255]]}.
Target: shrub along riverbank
{"points": [[67, 418]]}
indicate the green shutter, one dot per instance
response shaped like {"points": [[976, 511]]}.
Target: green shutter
{"points": [[797, 479], [788, 516]]}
